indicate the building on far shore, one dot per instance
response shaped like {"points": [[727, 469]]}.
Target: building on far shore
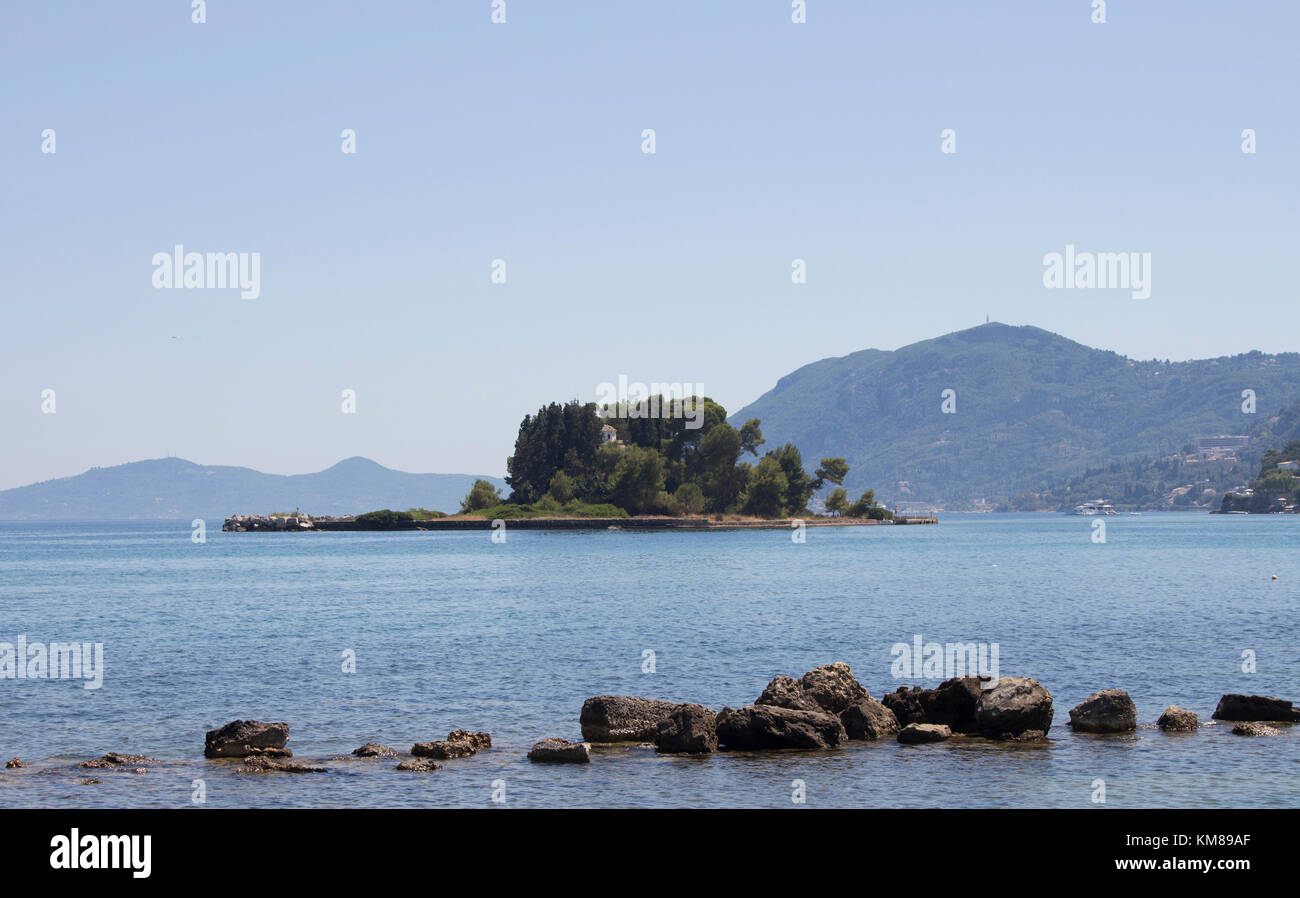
{"points": [[1223, 446]]}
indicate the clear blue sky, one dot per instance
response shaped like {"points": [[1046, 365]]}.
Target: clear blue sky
{"points": [[522, 141]]}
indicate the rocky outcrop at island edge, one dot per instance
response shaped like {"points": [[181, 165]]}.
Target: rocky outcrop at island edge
{"points": [[249, 523], [241, 738], [623, 718]]}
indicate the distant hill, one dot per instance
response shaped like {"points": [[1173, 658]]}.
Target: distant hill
{"points": [[1033, 410], [173, 488]]}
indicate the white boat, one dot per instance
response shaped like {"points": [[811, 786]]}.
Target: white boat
{"points": [[1100, 506]]}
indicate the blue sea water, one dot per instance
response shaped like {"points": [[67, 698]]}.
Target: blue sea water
{"points": [[453, 631]]}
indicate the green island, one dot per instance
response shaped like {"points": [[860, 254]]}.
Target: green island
{"points": [[664, 463]]}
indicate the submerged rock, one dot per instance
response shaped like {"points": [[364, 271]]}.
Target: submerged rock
{"points": [[1176, 719], [952, 703], [690, 729], [1255, 729], [238, 738], [1012, 708], [623, 718], [771, 726], [442, 750], [374, 750], [560, 751], [262, 764], [419, 765], [114, 759], [1107, 711], [1235, 706], [917, 733], [458, 744]]}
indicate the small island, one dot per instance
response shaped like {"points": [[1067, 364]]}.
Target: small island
{"points": [[662, 463]]}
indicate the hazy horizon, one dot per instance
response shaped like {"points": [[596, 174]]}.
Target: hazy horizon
{"points": [[523, 142]]}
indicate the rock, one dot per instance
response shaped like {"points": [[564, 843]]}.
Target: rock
{"points": [[868, 719], [1014, 706], [90, 782], [262, 764], [623, 718], [771, 726], [480, 741], [1254, 729], [423, 765], [560, 751], [830, 689], [1176, 719], [952, 703], [917, 733], [237, 738], [113, 759], [16, 762], [1107, 711], [269, 753], [690, 729], [458, 744], [374, 750], [442, 750], [1255, 707]]}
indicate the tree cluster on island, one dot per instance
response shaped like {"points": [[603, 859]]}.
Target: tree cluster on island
{"points": [[658, 465]]}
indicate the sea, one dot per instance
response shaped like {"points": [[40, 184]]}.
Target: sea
{"points": [[402, 637]]}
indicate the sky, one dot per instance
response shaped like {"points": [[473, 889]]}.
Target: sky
{"points": [[523, 141]]}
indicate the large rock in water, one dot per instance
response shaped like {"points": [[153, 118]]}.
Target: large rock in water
{"points": [[951, 704], [241, 738], [560, 751], [1255, 707], [1015, 707], [829, 689], [623, 718], [869, 719], [690, 729], [832, 689], [1107, 711], [770, 726]]}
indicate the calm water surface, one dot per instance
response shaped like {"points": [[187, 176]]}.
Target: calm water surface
{"points": [[452, 631]]}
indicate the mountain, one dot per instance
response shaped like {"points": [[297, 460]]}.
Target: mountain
{"points": [[173, 488], [1032, 409]]}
